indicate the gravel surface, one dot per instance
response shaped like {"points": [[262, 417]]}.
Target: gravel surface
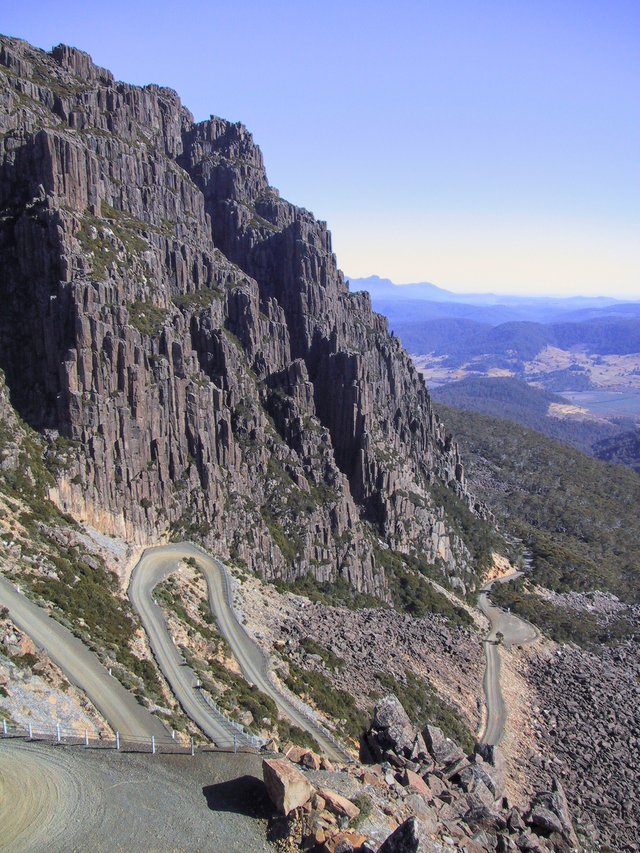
{"points": [[66, 798]]}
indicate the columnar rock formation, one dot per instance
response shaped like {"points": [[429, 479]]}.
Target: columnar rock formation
{"points": [[185, 340]]}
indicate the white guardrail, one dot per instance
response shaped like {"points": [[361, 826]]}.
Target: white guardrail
{"points": [[242, 736], [125, 741]]}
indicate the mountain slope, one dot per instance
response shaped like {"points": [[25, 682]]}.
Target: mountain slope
{"points": [[623, 449], [577, 515], [185, 341]]}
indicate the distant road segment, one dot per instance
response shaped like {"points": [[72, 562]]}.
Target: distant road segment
{"points": [[516, 632]]}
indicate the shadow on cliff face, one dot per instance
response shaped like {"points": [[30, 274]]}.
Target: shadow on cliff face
{"points": [[245, 795]]}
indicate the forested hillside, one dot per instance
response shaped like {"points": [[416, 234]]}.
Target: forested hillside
{"points": [[578, 515], [623, 449], [516, 401]]}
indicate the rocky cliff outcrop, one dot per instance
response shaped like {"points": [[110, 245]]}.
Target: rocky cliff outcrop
{"points": [[185, 340]]}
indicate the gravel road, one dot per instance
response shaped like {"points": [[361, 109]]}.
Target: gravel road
{"points": [[156, 564], [515, 631], [71, 799], [117, 705]]}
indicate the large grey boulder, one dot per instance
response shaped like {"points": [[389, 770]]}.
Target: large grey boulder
{"points": [[395, 730], [444, 750], [543, 818], [410, 837], [549, 812]]}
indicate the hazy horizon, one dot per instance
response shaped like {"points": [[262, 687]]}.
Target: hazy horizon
{"points": [[463, 290], [485, 147]]}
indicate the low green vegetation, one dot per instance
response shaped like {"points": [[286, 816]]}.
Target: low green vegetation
{"points": [[236, 696], [100, 250], [30, 479], [102, 238], [286, 509], [330, 660], [338, 704], [289, 547], [86, 596], [79, 586], [412, 593], [288, 732], [148, 319], [197, 300], [190, 524], [127, 228], [563, 624], [423, 705], [240, 694], [478, 535], [338, 593], [230, 690], [577, 515], [366, 806], [166, 594]]}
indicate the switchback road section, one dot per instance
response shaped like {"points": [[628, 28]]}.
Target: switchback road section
{"points": [[154, 566], [117, 705], [157, 564]]}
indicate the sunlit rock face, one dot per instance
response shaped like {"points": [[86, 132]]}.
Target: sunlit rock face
{"points": [[184, 338]]}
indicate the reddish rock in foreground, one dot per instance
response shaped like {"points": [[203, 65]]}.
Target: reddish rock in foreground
{"points": [[287, 787], [339, 805]]}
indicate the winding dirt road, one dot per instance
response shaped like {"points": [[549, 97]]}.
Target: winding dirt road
{"points": [[154, 566], [116, 704], [76, 799], [516, 632], [157, 564]]}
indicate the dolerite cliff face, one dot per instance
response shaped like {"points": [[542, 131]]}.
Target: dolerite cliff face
{"points": [[185, 341]]}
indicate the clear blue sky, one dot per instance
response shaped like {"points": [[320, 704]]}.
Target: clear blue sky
{"points": [[478, 144]]}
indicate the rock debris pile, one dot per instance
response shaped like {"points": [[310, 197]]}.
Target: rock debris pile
{"points": [[589, 734], [422, 795], [373, 640]]}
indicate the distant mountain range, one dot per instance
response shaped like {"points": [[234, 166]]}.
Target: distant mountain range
{"points": [[424, 301], [515, 342], [562, 344], [506, 355]]}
